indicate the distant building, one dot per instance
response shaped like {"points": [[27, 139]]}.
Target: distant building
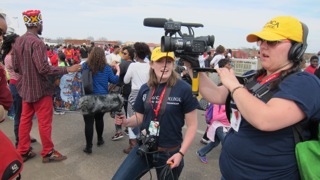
{"points": [[77, 42]]}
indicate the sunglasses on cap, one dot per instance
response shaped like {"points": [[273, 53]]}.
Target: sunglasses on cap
{"points": [[271, 43]]}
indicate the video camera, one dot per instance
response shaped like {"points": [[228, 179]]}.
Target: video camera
{"points": [[185, 46]]}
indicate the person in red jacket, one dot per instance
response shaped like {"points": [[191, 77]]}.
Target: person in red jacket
{"points": [[5, 95], [314, 62], [54, 58], [69, 52]]}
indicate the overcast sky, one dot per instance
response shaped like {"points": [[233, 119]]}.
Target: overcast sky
{"points": [[230, 21]]}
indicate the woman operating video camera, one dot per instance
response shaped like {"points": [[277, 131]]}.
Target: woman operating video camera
{"points": [[162, 106]]}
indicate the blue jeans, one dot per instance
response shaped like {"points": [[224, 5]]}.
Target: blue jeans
{"points": [[11, 111], [17, 104], [217, 138], [134, 166]]}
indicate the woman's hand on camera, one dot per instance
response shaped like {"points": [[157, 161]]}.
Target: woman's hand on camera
{"points": [[228, 78], [120, 120]]}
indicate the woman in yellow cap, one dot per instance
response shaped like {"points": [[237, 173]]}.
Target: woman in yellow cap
{"points": [[261, 143], [163, 106]]}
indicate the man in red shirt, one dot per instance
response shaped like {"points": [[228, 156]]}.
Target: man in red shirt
{"points": [[30, 60], [69, 54], [313, 65]]}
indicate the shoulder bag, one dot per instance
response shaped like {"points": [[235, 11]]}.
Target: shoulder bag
{"points": [[87, 81]]}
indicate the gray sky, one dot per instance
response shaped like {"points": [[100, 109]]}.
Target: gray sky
{"points": [[229, 21]]}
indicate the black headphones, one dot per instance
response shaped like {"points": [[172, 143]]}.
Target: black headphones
{"points": [[297, 50]]}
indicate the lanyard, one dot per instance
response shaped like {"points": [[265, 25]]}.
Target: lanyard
{"points": [[156, 111], [269, 78]]}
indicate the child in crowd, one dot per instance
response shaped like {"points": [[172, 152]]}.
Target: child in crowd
{"points": [[216, 132]]}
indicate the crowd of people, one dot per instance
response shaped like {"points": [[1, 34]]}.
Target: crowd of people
{"points": [[158, 100]]}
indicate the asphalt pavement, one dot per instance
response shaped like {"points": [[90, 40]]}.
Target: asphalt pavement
{"points": [[68, 138]]}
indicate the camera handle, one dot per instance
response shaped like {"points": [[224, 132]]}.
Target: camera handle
{"points": [[243, 79], [195, 78]]}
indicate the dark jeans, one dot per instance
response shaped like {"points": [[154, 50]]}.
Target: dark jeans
{"points": [[17, 104], [89, 120], [219, 136], [134, 166]]}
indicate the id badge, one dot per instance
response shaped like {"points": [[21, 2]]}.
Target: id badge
{"points": [[235, 119], [154, 128]]}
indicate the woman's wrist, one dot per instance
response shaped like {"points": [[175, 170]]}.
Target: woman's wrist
{"points": [[235, 89], [182, 154]]}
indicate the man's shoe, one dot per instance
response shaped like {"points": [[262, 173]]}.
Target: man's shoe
{"points": [[117, 136], [33, 140], [28, 155], [53, 156]]}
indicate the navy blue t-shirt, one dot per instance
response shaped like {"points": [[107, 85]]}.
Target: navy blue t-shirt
{"points": [[254, 154], [180, 102]]}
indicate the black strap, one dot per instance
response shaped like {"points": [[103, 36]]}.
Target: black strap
{"points": [[164, 102], [261, 91], [298, 133]]}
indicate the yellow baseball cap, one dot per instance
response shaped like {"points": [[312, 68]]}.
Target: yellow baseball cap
{"points": [[279, 28], [158, 54]]}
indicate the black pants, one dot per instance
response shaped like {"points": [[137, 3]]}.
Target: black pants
{"points": [[89, 119]]}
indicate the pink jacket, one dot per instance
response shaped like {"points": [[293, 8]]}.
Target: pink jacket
{"points": [[219, 114]]}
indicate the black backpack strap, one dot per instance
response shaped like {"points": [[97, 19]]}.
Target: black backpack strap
{"points": [[164, 102], [261, 91], [298, 133]]}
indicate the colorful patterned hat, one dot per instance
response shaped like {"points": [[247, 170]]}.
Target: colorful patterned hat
{"points": [[32, 17]]}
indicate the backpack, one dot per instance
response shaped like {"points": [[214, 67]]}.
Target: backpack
{"points": [[87, 81], [11, 162], [308, 151]]}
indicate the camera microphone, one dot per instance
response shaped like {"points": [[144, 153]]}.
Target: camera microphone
{"points": [[154, 22], [160, 22]]}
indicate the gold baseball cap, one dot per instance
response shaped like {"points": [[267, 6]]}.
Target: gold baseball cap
{"points": [[279, 28], [158, 54]]}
